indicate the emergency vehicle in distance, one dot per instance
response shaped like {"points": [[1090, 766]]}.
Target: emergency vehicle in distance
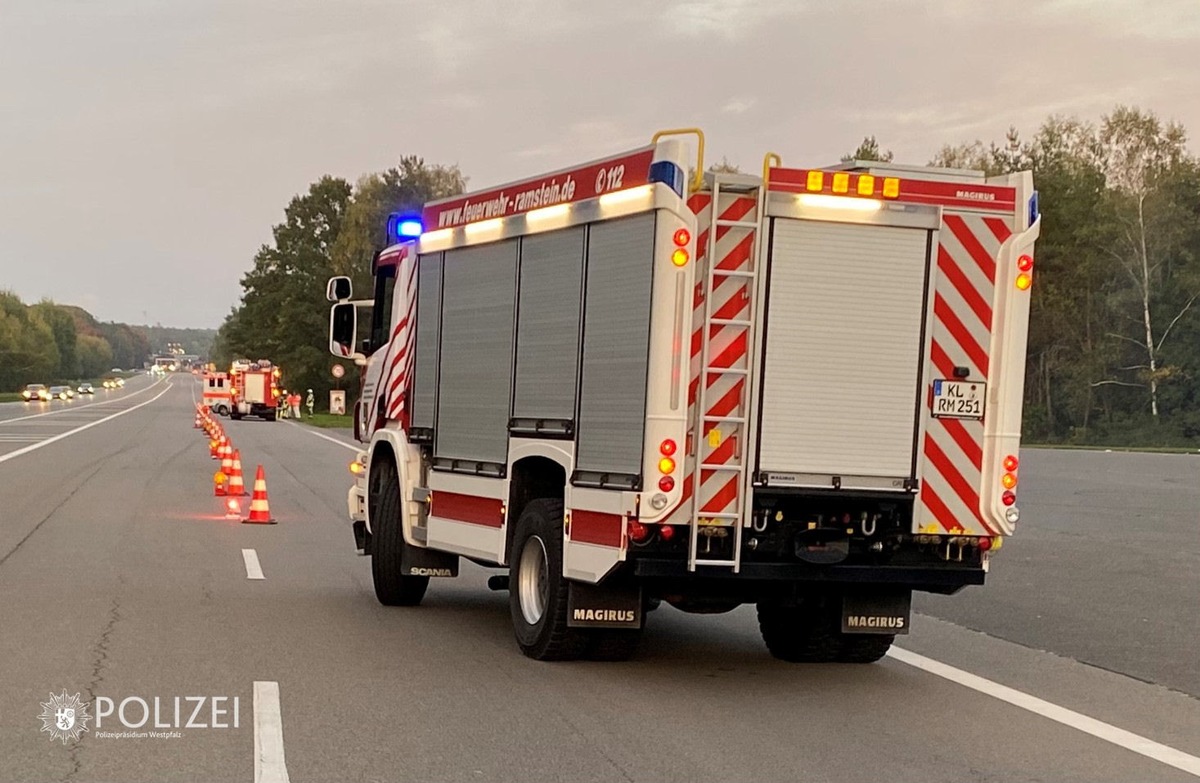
{"points": [[254, 389], [800, 390], [217, 394]]}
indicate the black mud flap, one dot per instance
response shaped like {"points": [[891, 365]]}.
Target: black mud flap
{"points": [[882, 612], [427, 562], [617, 605], [362, 537]]}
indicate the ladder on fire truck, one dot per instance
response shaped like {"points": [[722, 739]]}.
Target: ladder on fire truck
{"points": [[722, 420]]}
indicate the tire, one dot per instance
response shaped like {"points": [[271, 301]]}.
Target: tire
{"points": [[864, 647], [800, 634], [392, 587], [613, 644], [537, 596]]}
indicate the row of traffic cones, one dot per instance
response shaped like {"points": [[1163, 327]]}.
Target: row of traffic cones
{"points": [[228, 480]]}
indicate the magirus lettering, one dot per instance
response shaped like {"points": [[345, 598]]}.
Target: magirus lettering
{"points": [[605, 615], [975, 195], [865, 621]]}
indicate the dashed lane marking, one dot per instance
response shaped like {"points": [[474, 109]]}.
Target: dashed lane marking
{"points": [[253, 567], [269, 764]]}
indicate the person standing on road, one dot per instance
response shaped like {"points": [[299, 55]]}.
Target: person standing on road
{"points": [[283, 411], [296, 405], [310, 401]]}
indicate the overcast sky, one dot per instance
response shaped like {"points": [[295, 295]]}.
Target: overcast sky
{"points": [[147, 146]]}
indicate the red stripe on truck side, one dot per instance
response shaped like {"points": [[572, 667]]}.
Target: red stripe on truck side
{"points": [[488, 512], [594, 527]]}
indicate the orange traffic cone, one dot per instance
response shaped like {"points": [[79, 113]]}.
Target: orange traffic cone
{"points": [[227, 461], [197, 424], [237, 486], [260, 512], [219, 485], [213, 445]]}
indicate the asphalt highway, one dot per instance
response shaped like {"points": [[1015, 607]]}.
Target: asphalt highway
{"points": [[120, 579]]}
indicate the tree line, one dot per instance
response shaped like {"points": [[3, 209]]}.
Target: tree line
{"points": [[53, 343], [1114, 341]]}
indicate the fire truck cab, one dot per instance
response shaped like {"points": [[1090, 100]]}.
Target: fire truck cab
{"points": [[800, 390]]}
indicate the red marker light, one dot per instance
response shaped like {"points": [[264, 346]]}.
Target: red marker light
{"points": [[666, 532], [1008, 498], [682, 237], [666, 483], [985, 544], [667, 447], [1010, 463], [1025, 263], [637, 531]]}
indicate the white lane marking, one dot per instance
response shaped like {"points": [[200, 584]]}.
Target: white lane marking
{"points": [[269, 765], [253, 569], [88, 426], [1099, 729], [82, 406], [323, 436]]}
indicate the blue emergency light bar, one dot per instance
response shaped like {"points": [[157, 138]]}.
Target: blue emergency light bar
{"points": [[404, 227]]}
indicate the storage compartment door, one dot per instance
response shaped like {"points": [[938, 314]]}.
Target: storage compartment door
{"points": [[843, 356]]}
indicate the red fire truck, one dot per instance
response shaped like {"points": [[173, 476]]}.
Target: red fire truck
{"points": [[255, 389], [800, 390]]}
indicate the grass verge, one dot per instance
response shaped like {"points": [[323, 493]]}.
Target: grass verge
{"points": [[326, 420]]}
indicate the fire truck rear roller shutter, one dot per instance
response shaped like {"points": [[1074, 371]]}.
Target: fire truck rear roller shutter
{"points": [[616, 333], [548, 325], [429, 317], [843, 348], [475, 371]]}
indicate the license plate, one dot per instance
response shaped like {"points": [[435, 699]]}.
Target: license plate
{"points": [[958, 399]]}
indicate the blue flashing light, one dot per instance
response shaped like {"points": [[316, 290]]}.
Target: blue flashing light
{"points": [[668, 173], [404, 226], [1034, 208]]}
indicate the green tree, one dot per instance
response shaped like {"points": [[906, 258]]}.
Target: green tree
{"points": [[405, 187], [62, 327], [868, 150], [95, 356]]}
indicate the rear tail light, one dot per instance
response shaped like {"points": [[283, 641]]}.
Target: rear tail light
{"points": [[682, 237], [1025, 263], [666, 532], [1010, 463], [667, 447], [1008, 498], [666, 483], [637, 531]]}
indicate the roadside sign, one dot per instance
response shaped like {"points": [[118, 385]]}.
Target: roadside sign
{"points": [[337, 403], [338, 371]]}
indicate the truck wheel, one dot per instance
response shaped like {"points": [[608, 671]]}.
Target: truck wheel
{"points": [[800, 634], [392, 587], [611, 644], [537, 596], [864, 647]]}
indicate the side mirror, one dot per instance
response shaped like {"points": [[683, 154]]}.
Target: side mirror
{"points": [[338, 289], [343, 329]]}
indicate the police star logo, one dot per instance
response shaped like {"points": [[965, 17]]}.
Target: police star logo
{"points": [[64, 717]]}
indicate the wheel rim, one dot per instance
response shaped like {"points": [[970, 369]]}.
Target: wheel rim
{"points": [[533, 580]]}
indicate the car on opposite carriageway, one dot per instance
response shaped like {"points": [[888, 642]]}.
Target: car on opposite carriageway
{"points": [[35, 392]]}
